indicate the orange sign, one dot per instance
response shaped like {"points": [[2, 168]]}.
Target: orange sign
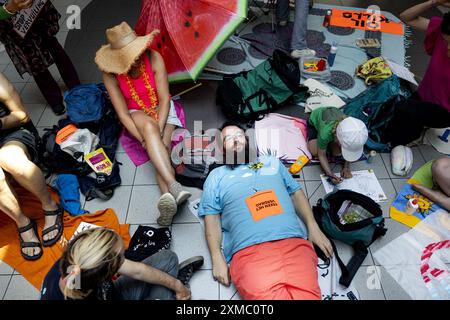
{"points": [[365, 21], [263, 204]]}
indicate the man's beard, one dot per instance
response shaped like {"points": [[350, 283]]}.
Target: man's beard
{"points": [[234, 158]]}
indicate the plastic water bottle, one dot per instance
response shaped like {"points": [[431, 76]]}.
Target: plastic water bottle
{"points": [[332, 54]]}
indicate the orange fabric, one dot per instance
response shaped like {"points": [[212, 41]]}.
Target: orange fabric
{"points": [[35, 271], [277, 270], [359, 20]]}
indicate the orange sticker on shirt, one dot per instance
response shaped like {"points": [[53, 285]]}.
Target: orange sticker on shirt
{"points": [[365, 21], [263, 204]]}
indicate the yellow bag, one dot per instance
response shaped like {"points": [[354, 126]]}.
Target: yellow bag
{"points": [[374, 70]]}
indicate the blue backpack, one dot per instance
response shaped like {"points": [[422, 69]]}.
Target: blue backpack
{"points": [[86, 103], [375, 107]]}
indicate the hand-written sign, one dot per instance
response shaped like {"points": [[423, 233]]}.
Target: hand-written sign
{"points": [[264, 204], [24, 19], [365, 21]]}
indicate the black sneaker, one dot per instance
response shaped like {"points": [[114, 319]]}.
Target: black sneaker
{"points": [[59, 109], [187, 268]]}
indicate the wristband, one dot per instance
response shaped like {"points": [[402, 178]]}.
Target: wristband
{"points": [[7, 11]]}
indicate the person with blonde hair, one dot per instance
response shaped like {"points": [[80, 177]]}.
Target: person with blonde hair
{"points": [[136, 80], [90, 264]]}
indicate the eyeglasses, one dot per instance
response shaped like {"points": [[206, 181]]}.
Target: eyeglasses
{"points": [[230, 137]]}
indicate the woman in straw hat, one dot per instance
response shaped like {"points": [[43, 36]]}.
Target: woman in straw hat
{"points": [[136, 79]]}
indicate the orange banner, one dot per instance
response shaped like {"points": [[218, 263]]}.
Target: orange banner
{"points": [[365, 21]]}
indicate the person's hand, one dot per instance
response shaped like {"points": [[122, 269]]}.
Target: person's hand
{"points": [[317, 237], [220, 272], [346, 173], [335, 180], [182, 292], [444, 3], [17, 5]]}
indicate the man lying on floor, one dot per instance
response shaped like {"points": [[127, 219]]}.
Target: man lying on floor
{"points": [[264, 239]]}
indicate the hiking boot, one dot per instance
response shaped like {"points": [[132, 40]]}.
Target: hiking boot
{"points": [[58, 109], [187, 268], [167, 207], [297, 54]]}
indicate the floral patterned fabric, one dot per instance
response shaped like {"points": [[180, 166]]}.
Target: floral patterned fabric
{"points": [[31, 54]]}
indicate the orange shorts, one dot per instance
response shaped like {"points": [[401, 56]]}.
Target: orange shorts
{"points": [[277, 270]]}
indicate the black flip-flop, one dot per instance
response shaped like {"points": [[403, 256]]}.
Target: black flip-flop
{"points": [[59, 225], [24, 244]]}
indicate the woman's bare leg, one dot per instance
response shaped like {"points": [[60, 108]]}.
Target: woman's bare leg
{"points": [[167, 140]]}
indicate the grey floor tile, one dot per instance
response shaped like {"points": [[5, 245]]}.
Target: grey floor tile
{"points": [[315, 191], [367, 282], [184, 215], [119, 202], [203, 286], [143, 205], [391, 194], [228, 293], [145, 175], [127, 169], [5, 269], [392, 288], [398, 184], [429, 153], [189, 240], [4, 282], [49, 118], [31, 94], [13, 76], [21, 289], [394, 230], [35, 111], [312, 172], [418, 162]]}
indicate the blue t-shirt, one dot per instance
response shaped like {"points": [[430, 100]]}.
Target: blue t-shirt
{"points": [[232, 192]]}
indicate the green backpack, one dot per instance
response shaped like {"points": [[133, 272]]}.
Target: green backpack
{"points": [[359, 235], [248, 95]]}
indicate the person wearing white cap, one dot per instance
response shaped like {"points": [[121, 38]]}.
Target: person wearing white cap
{"points": [[330, 129]]}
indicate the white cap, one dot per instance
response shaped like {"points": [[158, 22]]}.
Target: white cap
{"points": [[352, 135]]}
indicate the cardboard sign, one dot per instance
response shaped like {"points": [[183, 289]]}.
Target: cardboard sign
{"points": [[263, 204], [365, 21], [24, 19]]}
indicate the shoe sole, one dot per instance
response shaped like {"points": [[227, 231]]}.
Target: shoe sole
{"points": [[167, 207], [183, 197], [199, 259]]}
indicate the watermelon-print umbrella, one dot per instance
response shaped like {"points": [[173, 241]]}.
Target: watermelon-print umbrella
{"points": [[191, 31]]}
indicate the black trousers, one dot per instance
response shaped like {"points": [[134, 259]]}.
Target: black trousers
{"points": [[45, 81], [412, 116]]}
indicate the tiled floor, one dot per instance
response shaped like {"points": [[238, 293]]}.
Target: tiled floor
{"points": [[135, 200]]}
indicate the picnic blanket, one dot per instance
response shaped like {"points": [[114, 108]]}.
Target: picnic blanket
{"points": [[426, 206], [35, 271], [256, 42]]}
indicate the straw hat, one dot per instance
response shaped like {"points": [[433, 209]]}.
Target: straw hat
{"points": [[123, 49]]}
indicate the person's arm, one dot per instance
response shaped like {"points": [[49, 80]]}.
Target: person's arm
{"points": [[413, 18], [120, 106], [142, 272], [213, 233], [305, 213], [434, 195], [162, 85], [11, 99], [346, 173], [322, 154], [13, 6]]}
